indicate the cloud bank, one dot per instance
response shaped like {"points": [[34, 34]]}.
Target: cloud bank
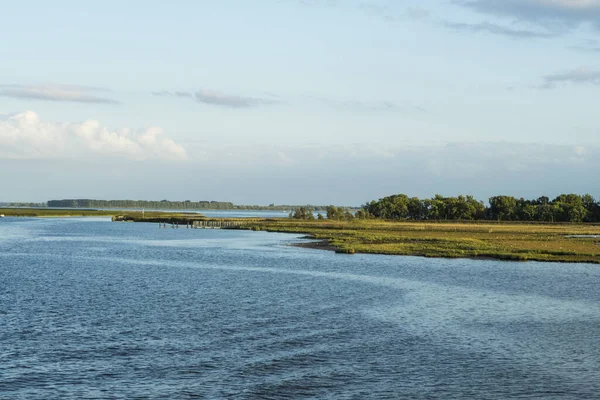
{"points": [[26, 136], [56, 92], [345, 174]]}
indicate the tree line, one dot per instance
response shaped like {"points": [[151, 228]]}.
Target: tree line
{"points": [[168, 205], [563, 208]]}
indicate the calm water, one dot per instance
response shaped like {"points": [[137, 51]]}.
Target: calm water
{"points": [[94, 309]]}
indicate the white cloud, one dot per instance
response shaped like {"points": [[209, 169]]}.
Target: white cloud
{"points": [[26, 136]]}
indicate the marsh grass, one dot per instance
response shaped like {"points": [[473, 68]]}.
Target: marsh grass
{"points": [[506, 241]]}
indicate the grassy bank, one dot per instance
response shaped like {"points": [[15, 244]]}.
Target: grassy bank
{"points": [[539, 242]]}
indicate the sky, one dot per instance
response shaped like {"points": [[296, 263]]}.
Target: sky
{"points": [[298, 101]]}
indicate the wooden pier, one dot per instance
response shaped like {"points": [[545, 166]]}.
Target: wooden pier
{"points": [[216, 224], [192, 221], [202, 224]]}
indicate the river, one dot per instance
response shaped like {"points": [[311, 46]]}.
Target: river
{"points": [[94, 309]]}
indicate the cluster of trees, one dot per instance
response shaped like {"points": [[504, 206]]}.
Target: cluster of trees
{"points": [[303, 213], [332, 213], [564, 208], [338, 213], [157, 205], [400, 206]]}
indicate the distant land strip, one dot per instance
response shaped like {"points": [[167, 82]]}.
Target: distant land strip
{"points": [[167, 205], [45, 212]]}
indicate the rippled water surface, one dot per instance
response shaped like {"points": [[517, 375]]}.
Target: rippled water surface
{"points": [[94, 309]]}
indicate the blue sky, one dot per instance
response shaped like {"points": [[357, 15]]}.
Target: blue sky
{"points": [[298, 101]]}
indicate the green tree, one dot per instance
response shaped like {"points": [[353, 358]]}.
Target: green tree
{"points": [[569, 208], [503, 208]]}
